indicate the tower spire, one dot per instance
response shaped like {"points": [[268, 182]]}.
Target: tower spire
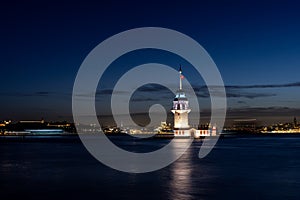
{"points": [[180, 78]]}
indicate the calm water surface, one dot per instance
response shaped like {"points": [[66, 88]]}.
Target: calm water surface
{"points": [[237, 168]]}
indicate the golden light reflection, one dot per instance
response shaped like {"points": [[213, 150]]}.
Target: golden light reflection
{"points": [[181, 174]]}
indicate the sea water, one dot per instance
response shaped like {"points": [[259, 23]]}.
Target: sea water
{"points": [[252, 167]]}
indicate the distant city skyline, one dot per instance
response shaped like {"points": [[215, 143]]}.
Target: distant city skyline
{"points": [[255, 45]]}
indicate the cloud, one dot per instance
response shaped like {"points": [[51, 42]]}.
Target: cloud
{"points": [[110, 91], [239, 94], [263, 111], [230, 93], [295, 84], [28, 94], [200, 91], [42, 93], [239, 91], [104, 92], [143, 99], [255, 86], [153, 88]]}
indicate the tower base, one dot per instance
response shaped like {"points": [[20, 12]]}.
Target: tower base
{"points": [[182, 133]]}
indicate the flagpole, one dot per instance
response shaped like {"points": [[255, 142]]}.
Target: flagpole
{"points": [[180, 81]]}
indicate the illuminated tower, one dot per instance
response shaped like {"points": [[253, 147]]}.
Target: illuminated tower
{"points": [[180, 111]]}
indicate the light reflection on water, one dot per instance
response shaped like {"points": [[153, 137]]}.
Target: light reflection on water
{"points": [[180, 182]]}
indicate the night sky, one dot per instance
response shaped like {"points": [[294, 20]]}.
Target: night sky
{"points": [[255, 45]]}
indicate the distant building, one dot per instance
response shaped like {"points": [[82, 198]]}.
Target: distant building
{"points": [[164, 128], [205, 130], [4, 126], [36, 127], [291, 127], [181, 110], [245, 125]]}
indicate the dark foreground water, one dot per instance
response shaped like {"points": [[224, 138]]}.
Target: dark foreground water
{"points": [[238, 168]]}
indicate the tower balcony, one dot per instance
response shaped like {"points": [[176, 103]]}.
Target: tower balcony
{"points": [[180, 111]]}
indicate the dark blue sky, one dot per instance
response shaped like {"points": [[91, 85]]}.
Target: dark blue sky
{"points": [[255, 45]]}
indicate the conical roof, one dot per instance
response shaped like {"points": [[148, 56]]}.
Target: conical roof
{"points": [[180, 95]]}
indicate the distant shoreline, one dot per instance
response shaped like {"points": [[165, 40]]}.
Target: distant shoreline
{"points": [[75, 137]]}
